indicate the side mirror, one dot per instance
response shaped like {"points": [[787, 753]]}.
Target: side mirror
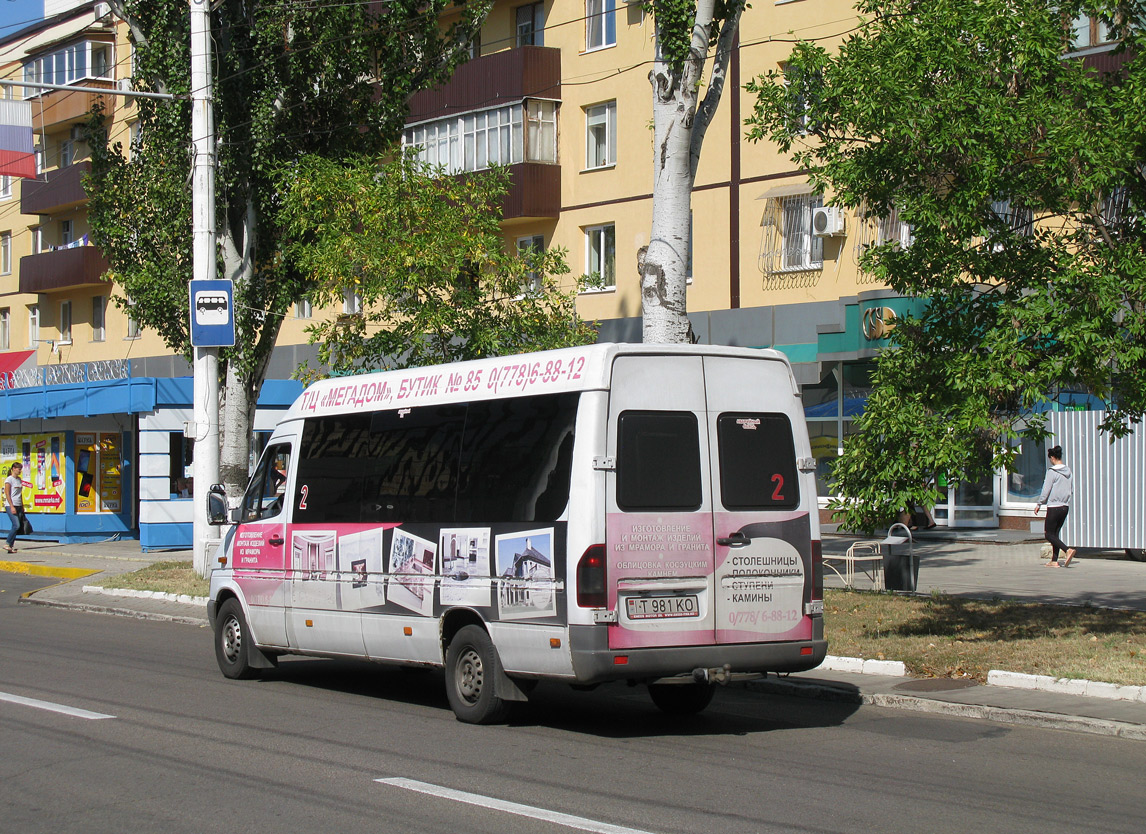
{"points": [[216, 505]]}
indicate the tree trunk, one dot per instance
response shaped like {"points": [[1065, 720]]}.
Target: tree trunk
{"points": [[679, 128]]}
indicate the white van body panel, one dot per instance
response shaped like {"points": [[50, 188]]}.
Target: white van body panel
{"points": [[336, 568]]}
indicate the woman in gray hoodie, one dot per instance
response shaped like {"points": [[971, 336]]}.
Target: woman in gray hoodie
{"points": [[1058, 489]]}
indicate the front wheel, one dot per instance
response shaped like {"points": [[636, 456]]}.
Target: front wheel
{"points": [[681, 698], [472, 667], [232, 642]]}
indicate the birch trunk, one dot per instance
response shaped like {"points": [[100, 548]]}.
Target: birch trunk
{"points": [[680, 122]]}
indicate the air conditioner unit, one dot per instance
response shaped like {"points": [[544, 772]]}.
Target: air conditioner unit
{"points": [[123, 85], [827, 221]]}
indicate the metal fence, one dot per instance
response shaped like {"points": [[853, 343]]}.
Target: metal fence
{"points": [[73, 373], [1109, 508]]}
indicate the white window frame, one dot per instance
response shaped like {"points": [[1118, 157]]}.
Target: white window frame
{"points": [[65, 323], [790, 245], [351, 302], [600, 24], [68, 64], [67, 152], [99, 318], [303, 309], [5, 328], [525, 246], [5, 187], [601, 135], [5, 253], [67, 233], [531, 31], [133, 329], [601, 255], [33, 325]]}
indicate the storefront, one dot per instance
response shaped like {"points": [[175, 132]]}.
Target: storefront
{"points": [[105, 458]]}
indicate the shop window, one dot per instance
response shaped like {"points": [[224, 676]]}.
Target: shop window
{"points": [[181, 454]]}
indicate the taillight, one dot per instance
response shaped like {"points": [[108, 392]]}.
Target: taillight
{"points": [[591, 578], [817, 569]]}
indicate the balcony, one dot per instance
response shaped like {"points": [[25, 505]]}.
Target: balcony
{"points": [[534, 191], [492, 80], [61, 189], [53, 108], [62, 269]]}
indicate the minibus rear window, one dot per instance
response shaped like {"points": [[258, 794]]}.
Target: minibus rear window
{"points": [[658, 461], [757, 462]]}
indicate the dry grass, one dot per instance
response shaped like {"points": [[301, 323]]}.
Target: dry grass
{"points": [[942, 636], [936, 636], [172, 577]]}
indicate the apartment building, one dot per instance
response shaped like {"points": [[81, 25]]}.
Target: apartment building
{"points": [[558, 90]]}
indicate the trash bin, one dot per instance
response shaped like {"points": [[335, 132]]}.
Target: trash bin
{"points": [[900, 564]]}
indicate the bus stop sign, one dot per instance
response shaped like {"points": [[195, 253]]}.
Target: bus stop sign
{"points": [[212, 313]]}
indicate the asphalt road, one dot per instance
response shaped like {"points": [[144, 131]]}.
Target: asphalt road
{"points": [[184, 750]]}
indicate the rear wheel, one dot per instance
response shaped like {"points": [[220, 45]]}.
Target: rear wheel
{"points": [[472, 667], [681, 698], [232, 642], [1136, 553]]}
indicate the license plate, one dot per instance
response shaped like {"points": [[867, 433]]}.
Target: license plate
{"points": [[661, 608]]}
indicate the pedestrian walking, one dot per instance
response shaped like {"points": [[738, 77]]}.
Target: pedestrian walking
{"points": [[14, 502], [1058, 489]]}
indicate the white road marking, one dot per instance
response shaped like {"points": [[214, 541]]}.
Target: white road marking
{"points": [[510, 807], [48, 705]]}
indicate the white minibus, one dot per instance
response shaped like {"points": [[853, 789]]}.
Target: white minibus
{"points": [[612, 512]]}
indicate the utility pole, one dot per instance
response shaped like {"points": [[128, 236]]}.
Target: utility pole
{"points": [[206, 368]]}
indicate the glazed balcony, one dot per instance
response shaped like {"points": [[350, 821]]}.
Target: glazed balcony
{"points": [[61, 189], [62, 269]]}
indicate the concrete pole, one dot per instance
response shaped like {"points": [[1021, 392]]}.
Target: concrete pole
{"points": [[206, 388]]}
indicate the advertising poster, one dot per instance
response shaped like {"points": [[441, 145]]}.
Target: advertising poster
{"points": [[110, 473], [43, 458], [525, 565], [465, 567], [98, 479], [412, 573]]}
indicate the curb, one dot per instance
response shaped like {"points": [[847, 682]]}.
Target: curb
{"points": [[185, 599], [1067, 686], [120, 612], [1004, 715]]}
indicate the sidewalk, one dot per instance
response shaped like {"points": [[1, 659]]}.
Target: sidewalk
{"points": [[981, 564]]}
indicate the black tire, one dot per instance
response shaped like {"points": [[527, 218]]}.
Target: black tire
{"points": [[232, 642], [681, 698], [472, 667], [1138, 554]]}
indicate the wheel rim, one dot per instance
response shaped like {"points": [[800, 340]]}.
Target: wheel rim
{"points": [[232, 639], [470, 675]]}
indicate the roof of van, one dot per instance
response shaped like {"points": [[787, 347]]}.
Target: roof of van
{"points": [[584, 368]]}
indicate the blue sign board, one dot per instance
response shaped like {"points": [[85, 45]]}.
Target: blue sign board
{"points": [[212, 313]]}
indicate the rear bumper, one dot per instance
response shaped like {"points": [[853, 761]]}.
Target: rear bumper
{"points": [[595, 662]]}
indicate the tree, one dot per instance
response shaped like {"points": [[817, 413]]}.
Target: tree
{"points": [[425, 255], [1021, 176], [291, 78], [686, 31]]}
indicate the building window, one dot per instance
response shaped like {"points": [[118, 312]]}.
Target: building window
{"points": [[133, 329], [99, 315], [1088, 32], [789, 244], [600, 24], [528, 247], [33, 325], [65, 327], [531, 24], [5, 187], [67, 232], [481, 139], [37, 239], [68, 64], [5, 328], [601, 254], [303, 309], [601, 135], [351, 302], [67, 152], [5, 253]]}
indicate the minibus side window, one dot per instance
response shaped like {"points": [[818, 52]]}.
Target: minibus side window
{"points": [[517, 457], [658, 461], [265, 494], [757, 462], [333, 462]]}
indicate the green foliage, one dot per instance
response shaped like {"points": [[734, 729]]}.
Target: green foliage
{"points": [[290, 78], [675, 21], [426, 254], [1020, 173]]}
